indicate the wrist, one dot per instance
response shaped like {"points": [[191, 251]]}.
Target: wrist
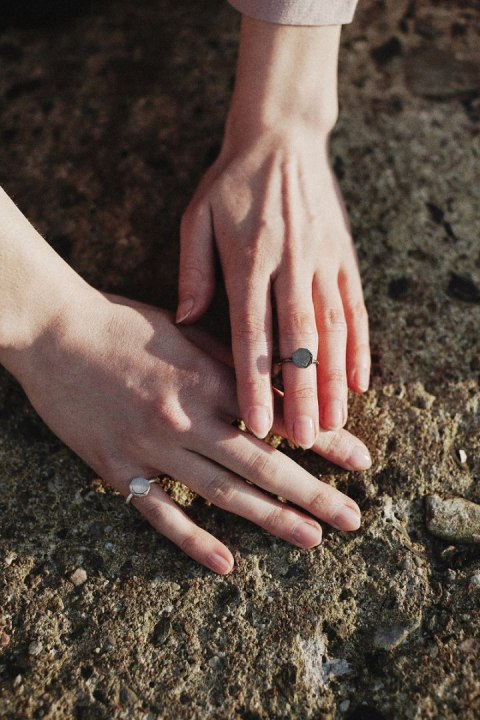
{"points": [[39, 292], [286, 76]]}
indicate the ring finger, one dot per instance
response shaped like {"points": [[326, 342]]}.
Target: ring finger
{"points": [[168, 519], [297, 330]]}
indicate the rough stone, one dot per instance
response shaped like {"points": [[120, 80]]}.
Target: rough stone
{"points": [[453, 519]]}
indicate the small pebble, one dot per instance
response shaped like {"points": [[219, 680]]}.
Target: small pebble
{"points": [[389, 638], [35, 648], [78, 577], [4, 639], [453, 519], [474, 580], [17, 681], [214, 661], [344, 705], [461, 456]]}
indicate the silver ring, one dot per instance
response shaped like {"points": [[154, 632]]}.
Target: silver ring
{"points": [[301, 358], [139, 487]]}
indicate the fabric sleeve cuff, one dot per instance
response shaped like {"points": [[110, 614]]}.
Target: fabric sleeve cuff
{"points": [[298, 12]]}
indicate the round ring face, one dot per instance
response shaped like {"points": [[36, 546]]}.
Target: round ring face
{"points": [[139, 487], [302, 358]]}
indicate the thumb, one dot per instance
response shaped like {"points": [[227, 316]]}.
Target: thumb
{"points": [[196, 283]]}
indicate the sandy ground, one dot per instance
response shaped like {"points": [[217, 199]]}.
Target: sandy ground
{"points": [[107, 121]]}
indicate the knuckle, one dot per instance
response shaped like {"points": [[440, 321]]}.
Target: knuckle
{"points": [[189, 543], [191, 275], [248, 325], [155, 512], [336, 444], [302, 392], [273, 520], [260, 464], [332, 320], [300, 322], [318, 503], [358, 312], [171, 416], [220, 490], [335, 376]]}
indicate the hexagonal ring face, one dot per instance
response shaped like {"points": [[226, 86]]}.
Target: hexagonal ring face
{"points": [[302, 358], [139, 487]]}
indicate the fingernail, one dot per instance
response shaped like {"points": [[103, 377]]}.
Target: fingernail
{"points": [[259, 420], [219, 564], [184, 309], [362, 376], [304, 432], [333, 415], [347, 519], [307, 534], [360, 458]]}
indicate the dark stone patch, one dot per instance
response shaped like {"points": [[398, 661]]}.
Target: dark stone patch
{"points": [[426, 30], [398, 288], [386, 52], [436, 213], [366, 712], [10, 52], [439, 75], [462, 287], [24, 87], [162, 630], [390, 480]]}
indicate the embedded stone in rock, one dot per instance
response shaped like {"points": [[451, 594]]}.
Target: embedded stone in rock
{"points": [[78, 577], [453, 519], [462, 287], [389, 638], [302, 358]]}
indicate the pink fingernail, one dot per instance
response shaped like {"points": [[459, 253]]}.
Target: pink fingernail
{"points": [[360, 458], [304, 432], [347, 519], [333, 415], [362, 376], [184, 309], [259, 420], [219, 564], [307, 535]]}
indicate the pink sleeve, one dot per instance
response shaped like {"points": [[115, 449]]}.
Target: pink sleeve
{"points": [[298, 12]]}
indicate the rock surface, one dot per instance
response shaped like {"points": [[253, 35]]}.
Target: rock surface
{"points": [[107, 121]]}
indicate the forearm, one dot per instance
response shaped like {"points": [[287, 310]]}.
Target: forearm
{"points": [[36, 287], [286, 76]]}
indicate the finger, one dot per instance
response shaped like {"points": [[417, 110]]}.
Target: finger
{"points": [[196, 283], [338, 446], [297, 329], [228, 491], [169, 520], [332, 343], [278, 474], [358, 346], [251, 323]]}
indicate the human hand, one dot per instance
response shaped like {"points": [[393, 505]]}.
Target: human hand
{"points": [[121, 385], [272, 206]]}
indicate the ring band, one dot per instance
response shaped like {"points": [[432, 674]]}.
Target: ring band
{"points": [[139, 487], [301, 358]]}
